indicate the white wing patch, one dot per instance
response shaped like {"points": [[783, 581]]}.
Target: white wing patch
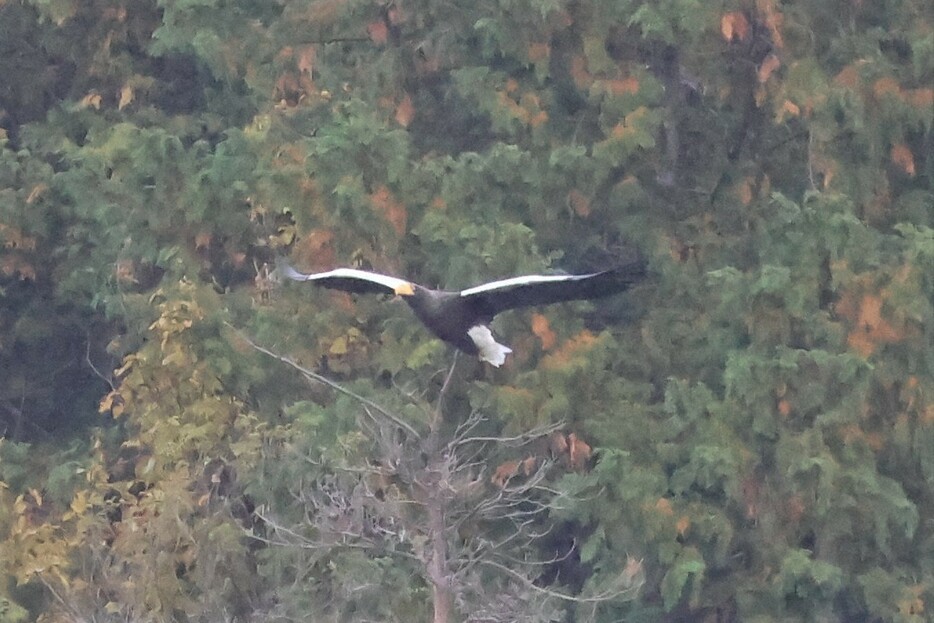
{"points": [[491, 351], [345, 273], [385, 280], [520, 281]]}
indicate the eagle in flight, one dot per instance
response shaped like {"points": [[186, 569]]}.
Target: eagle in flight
{"points": [[462, 318]]}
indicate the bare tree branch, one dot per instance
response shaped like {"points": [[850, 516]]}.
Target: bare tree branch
{"points": [[601, 597], [314, 376], [428, 499], [87, 360]]}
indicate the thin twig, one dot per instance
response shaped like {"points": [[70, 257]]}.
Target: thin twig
{"points": [[445, 386], [517, 440], [336, 40], [314, 376], [605, 596], [87, 359]]}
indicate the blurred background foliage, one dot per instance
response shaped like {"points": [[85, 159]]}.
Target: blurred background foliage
{"points": [[758, 416]]}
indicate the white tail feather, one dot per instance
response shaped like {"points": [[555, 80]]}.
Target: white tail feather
{"points": [[491, 351]]}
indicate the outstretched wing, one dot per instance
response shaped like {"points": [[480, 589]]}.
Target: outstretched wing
{"points": [[532, 290], [348, 280]]}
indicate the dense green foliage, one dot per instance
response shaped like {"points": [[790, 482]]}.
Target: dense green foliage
{"points": [[760, 411]]}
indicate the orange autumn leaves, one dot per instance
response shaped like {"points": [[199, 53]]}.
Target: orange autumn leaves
{"points": [[317, 247], [871, 324], [735, 26], [568, 351], [525, 107], [903, 158], [386, 204], [542, 330], [767, 68], [887, 88], [13, 242], [664, 507], [870, 329], [378, 31], [405, 111], [295, 84], [566, 449]]}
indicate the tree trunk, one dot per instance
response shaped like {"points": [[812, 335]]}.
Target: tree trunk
{"points": [[441, 593], [442, 596]]}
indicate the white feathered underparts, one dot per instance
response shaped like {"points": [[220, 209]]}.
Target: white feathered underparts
{"points": [[491, 351]]}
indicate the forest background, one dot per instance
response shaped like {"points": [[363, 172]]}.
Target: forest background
{"points": [[748, 435]]}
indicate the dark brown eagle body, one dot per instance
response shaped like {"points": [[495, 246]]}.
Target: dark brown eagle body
{"points": [[448, 315]]}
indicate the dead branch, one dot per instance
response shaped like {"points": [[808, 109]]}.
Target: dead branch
{"points": [[314, 376], [428, 498]]}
